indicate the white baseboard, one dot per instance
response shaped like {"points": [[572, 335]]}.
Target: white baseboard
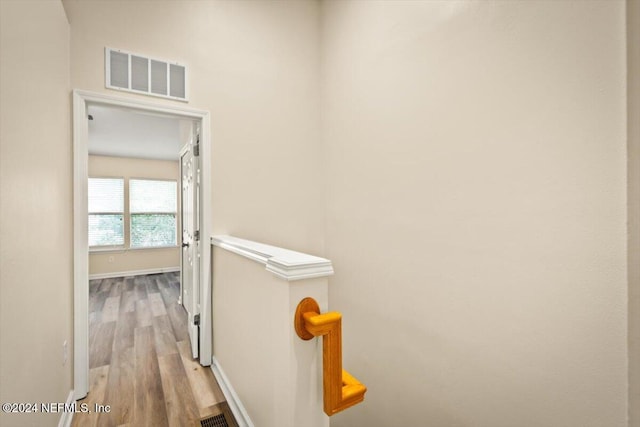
{"points": [[238, 410], [67, 417], [133, 273]]}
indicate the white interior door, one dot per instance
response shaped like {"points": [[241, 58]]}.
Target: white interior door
{"points": [[190, 190]]}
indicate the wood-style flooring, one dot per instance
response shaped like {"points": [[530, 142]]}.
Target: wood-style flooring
{"points": [[140, 358]]}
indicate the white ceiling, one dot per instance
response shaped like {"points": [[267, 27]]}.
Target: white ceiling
{"points": [[124, 133]]}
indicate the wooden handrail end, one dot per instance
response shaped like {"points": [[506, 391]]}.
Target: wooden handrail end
{"points": [[350, 397], [351, 387]]}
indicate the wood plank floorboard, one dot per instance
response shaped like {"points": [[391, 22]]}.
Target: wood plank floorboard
{"points": [[120, 388], [105, 285], [182, 408], [152, 284], [157, 304], [163, 334], [200, 377], [111, 309], [94, 285], [98, 378], [168, 296], [128, 283], [143, 313], [116, 288], [178, 318], [140, 357], [128, 301], [97, 300], [149, 402], [100, 347], [125, 328], [140, 286]]}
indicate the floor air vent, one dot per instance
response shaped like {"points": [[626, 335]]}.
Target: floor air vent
{"points": [[216, 421], [223, 418]]}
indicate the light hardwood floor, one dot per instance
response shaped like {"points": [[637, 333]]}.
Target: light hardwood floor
{"points": [[140, 358]]}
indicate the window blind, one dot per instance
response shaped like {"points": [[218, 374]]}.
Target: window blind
{"points": [[106, 211], [152, 196]]}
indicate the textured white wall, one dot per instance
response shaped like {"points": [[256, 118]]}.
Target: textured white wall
{"points": [[35, 220], [476, 174]]}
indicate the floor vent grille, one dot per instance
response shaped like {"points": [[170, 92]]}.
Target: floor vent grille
{"points": [[220, 415], [215, 421]]}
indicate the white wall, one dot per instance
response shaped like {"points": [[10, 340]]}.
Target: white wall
{"points": [[476, 173], [254, 66], [35, 219], [633, 129], [134, 260]]}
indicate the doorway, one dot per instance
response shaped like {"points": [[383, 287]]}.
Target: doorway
{"points": [[202, 205]]}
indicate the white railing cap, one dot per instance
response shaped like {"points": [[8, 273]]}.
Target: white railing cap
{"points": [[284, 263]]}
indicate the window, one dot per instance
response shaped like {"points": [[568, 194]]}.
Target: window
{"points": [[153, 208], [106, 212]]}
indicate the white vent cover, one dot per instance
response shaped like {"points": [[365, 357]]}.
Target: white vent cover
{"points": [[135, 73]]}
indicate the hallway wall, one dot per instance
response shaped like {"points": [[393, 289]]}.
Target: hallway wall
{"points": [[476, 207], [254, 66], [633, 135], [36, 282]]}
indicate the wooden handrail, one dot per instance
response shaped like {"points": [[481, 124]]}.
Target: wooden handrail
{"points": [[341, 390]]}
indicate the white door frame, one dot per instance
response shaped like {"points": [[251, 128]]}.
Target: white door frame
{"points": [[82, 99]]}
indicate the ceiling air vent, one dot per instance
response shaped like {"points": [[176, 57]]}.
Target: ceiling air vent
{"points": [[149, 76]]}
